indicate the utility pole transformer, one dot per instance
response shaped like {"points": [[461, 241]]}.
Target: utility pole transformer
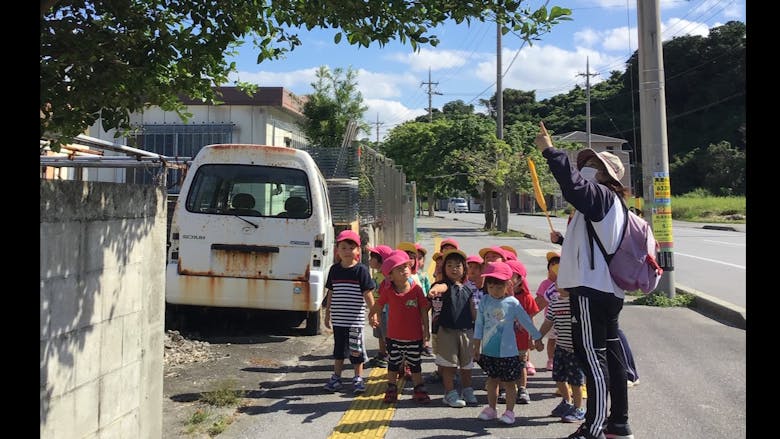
{"points": [[655, 154]]}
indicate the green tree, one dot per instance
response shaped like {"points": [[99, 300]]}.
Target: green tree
{"points": [[335, 101], [415, 146], [105, 59]]}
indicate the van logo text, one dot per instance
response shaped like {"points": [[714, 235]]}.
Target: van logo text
{"points": [[193, 237], [299, 243]]}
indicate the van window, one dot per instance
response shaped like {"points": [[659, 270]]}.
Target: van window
{"points": [[250, 190]]}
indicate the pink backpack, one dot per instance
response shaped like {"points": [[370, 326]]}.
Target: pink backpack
{"points": [[633, 265]]}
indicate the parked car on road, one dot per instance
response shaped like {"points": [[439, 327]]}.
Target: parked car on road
{"points": [[457, 205]]}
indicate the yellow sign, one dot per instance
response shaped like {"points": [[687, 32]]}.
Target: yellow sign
{"points": [[662, 227], [661, 187]]}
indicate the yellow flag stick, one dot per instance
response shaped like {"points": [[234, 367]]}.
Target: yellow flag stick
{"points": [[538, 192]]}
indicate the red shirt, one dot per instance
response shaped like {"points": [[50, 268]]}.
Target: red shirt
{"points": [[522, 337], [404, 321]]}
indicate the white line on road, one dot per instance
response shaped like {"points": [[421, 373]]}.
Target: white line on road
{"points": [[725, 243], [711, 260]]}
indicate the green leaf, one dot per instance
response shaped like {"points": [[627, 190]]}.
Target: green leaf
{"points": [[337, 38]]}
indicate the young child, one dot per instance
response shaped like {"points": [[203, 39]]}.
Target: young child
{"points": [[523, 295], [493, 254], [474, 277], [425, 280], [376, 256], [566, 366], [495, 347], [455, 328], [349, 286], [438, 276], [407, 325], [542, 301]]}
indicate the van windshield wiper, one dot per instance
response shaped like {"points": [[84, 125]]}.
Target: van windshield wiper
{"points": [[244, 219]]}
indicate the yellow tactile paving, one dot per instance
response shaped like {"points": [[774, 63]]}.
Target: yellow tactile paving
{"points": [[368, 416]]}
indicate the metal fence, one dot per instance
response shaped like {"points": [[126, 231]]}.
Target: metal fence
{"points": [[365, 186]]}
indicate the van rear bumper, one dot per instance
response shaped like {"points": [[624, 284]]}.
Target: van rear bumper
{"points": [[236, 292]]}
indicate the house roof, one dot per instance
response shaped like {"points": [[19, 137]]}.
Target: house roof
{"points": [[264, 96], [582, 137]]}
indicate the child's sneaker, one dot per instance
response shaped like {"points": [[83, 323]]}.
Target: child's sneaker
{"points": [[507, 418], [522, 396], [562, 409], [502, 396], [453, 400], [487, 414], [391, 394], [420, 395], [427, 351], [530, 369], [358, 385], [334, 383], [574, 415], [468, 396]]}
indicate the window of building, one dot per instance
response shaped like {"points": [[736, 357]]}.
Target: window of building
{"points": [[175, 140]]}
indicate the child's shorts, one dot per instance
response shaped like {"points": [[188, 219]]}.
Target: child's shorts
{"points": [[501, 368], [566, 368], [349, 343], [455, 348]]}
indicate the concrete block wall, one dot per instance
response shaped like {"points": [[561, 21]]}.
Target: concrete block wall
{"points": [[102, 297]]}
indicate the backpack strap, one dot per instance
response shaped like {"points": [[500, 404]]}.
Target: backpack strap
{"points": [[592, 234]]}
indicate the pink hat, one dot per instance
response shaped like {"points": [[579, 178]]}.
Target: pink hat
{"points": [[475, 258], [498, 270], [449, 241], [517, 267], [348, 235], [494, 249], [384, 251], [398, 257], [420, 249]]}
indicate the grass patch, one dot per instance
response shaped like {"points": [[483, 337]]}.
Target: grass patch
{"points": [[660, 299], [219, 425], [711, 209], [223, 394], [509, 234]]}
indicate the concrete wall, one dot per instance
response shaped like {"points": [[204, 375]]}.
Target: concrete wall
{"points": [[102, 297]]}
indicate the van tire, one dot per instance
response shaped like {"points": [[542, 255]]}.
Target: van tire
{"points": [[314, 322]]}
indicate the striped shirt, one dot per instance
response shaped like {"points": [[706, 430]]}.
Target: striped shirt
{"points": [[559, 312], [347, 305]]}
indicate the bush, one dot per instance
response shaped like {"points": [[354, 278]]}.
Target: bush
{"points": [[660, 299]]}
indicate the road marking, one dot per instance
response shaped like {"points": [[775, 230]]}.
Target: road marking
{"points": [[724, 243], [711, 260], [368, 416]]}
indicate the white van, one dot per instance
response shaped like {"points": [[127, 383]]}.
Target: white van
{"points": [[252, 229]]}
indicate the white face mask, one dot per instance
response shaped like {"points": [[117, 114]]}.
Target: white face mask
{"points": [[589, 173]]}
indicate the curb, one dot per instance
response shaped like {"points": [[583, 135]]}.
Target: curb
{"points": [[715, 308], [726, 228]]}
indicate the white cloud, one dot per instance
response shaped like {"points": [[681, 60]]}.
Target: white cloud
{"points": [[433, 59], [375, 85], [548, 69], [390, 113]]}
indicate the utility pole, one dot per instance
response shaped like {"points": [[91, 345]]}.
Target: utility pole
{"points": [[377, 123], [587, 76], [503, 193], [430, 94], [655, 154]]}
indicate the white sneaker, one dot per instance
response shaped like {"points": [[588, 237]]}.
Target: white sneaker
{"points": [[468, 395], [453, 400]]}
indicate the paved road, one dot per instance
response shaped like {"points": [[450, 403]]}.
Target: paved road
{"points": [[707, 260], [690, 387]]}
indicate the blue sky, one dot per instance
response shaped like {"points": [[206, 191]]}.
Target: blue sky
{"points": [[464, 63]]}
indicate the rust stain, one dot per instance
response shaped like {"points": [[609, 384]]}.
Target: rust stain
{"points": [[251, 147], [264, 362]]}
